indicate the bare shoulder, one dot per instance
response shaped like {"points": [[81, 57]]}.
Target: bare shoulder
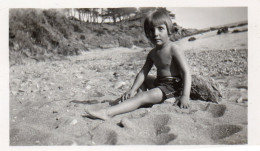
{"points": [[151, 52], [175, 49]]}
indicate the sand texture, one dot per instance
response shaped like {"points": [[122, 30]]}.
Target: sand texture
{"points": [[47, 101]]}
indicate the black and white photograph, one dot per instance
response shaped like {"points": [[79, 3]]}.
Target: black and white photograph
{"points": [[128, 75]]}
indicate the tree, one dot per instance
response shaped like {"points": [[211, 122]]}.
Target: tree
{"points": [[172, 16], [113, 12], [123, 14], [146, 9]]}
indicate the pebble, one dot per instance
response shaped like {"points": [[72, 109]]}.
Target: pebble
{"points": [[73, 122], [240, 100], [116, 74], [119, 84], [88, 87]]}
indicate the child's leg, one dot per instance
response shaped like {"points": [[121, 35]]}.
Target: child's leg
{"points": [[152, 96]]}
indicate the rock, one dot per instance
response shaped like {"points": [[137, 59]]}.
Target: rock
{"points": [[238, 31], [119, 84], [192, 39], [73, 122], [222, 30], [54, 111], [205, 88], [239, 100], [116, 74], [212, 28]]}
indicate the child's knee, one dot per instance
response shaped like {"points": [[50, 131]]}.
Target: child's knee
{"points": [[151, 96], [156, 95]]}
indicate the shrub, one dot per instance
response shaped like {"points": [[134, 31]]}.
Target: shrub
{"points": [[77, 28], [125, 41]]}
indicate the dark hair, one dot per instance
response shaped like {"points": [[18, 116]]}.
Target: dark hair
{"points": [[156, 18]]}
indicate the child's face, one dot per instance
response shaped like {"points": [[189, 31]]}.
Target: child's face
{"points": [[159, 35]]}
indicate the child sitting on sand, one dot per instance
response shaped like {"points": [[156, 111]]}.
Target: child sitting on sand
{"points": [[173, 75]]}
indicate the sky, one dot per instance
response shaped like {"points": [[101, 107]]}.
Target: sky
{"points": [[203, 17]]}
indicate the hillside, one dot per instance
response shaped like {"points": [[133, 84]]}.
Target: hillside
{"points": [[41, 34]]}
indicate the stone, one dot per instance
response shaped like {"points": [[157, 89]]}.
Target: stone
{"points": [[192, 39], [119, 84], [239, 100], [205, 88], [222, 30], [73, 122]]}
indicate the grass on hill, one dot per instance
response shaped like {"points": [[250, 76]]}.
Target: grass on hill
{"points": [[41, 34]]}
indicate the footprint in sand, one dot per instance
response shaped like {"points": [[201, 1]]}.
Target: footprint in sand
{"points": [[222, 131], [157, 126], [146, 130], [104, 136], [216, 110], [162, 130], [210, 110]]}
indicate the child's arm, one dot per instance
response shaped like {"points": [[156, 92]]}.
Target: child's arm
{"points": [[186, 76], [140, 77]]}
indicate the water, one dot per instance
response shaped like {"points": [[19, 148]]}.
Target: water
{"points": [[212, 41]]}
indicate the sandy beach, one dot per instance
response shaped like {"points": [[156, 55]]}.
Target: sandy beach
{"points": [[47, 101], [61, 64]]}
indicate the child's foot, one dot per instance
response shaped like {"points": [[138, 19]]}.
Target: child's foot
{"points": [[97, 114]]}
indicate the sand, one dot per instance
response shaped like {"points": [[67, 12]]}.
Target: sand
{"points": [[47, 101]]}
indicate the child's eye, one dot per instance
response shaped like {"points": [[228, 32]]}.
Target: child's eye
{"points": [[161, 28]]}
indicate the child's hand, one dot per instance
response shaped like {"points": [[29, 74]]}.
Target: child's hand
{"points": [[184, 102], [127, 95]]}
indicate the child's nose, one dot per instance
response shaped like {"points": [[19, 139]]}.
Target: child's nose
{"points": [[156, 32]]}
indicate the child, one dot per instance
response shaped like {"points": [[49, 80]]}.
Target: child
{"points": [[173, 76]]}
